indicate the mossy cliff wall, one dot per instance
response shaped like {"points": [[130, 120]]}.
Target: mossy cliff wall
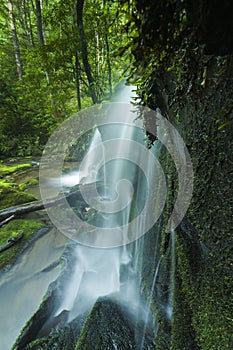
{"points": [[203, 115], [187, 71]]}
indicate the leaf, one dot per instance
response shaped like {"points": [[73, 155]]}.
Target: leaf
{"points": [[223, 125]]}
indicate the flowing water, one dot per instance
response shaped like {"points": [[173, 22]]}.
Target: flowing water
{"points": [[105, 271], [115, 271], [24, 285]]}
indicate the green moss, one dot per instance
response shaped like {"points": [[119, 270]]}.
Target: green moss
{"points": [[7, 185], [13, 228], [203, 304], [38, 344], [183, 332], [6, 170], [11, 195], [28, 184], [163, 332]]}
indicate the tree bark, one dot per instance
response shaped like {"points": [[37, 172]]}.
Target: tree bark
{"points": [[39, 23], [108, 53], [41, 39], [77, 79], [15, 40], [87, 67], [108, 64], [28, 23], [5, 221]]}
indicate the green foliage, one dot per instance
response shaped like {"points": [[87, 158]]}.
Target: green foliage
{"points": [[52, 73]]}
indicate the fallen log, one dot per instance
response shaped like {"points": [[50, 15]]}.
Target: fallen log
{"points": [[4, 222], [11, 241], [75, 193]]}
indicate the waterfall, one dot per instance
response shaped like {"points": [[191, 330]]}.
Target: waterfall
{"points": [[109, 257], [115, 271], [100, 272], [121, 260]]}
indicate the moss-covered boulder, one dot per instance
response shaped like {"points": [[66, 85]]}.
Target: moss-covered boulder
{"points": [[12, 229], [11, 195], [10, 169], [109, 326]]}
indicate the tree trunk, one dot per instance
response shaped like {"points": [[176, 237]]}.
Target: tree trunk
{"points": [[77, 79], [39, 23], [22, 17], [15, 40], [28, 22], [5, 221], [108, 64], [87, 67], [108, 54], [41, 39]]}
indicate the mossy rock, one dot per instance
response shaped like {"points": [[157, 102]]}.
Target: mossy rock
{"points": [[63, 335], [28, 184], [6, 170], [13, 228], [11, 195], [109, 326]]}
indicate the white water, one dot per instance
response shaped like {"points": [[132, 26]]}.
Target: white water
{"points": [[24, 285], [97, 272], [172, 275], [149, 301], [100, 272], [88, 172]]}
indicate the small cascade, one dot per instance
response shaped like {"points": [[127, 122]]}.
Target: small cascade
{"points": [[172, 275], [149, 300], [96, 274], [89, 170]]}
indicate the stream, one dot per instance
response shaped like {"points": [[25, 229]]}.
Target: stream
{"points": [[24, 285]]}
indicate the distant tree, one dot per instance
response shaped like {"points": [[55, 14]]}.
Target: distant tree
{"points": [[39, 23], [87, 67], [15, 39]]}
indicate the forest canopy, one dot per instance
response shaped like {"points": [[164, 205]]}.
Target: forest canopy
{"points": [[57, 57]]}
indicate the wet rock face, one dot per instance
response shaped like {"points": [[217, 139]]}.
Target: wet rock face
{"points": [[199, 104], [213, 19], [62, 335], [108, 327]]}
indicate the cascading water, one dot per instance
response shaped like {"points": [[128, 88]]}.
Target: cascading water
{"points": [[114, 271], [172, 275], [100, 272], [109, 266]]}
